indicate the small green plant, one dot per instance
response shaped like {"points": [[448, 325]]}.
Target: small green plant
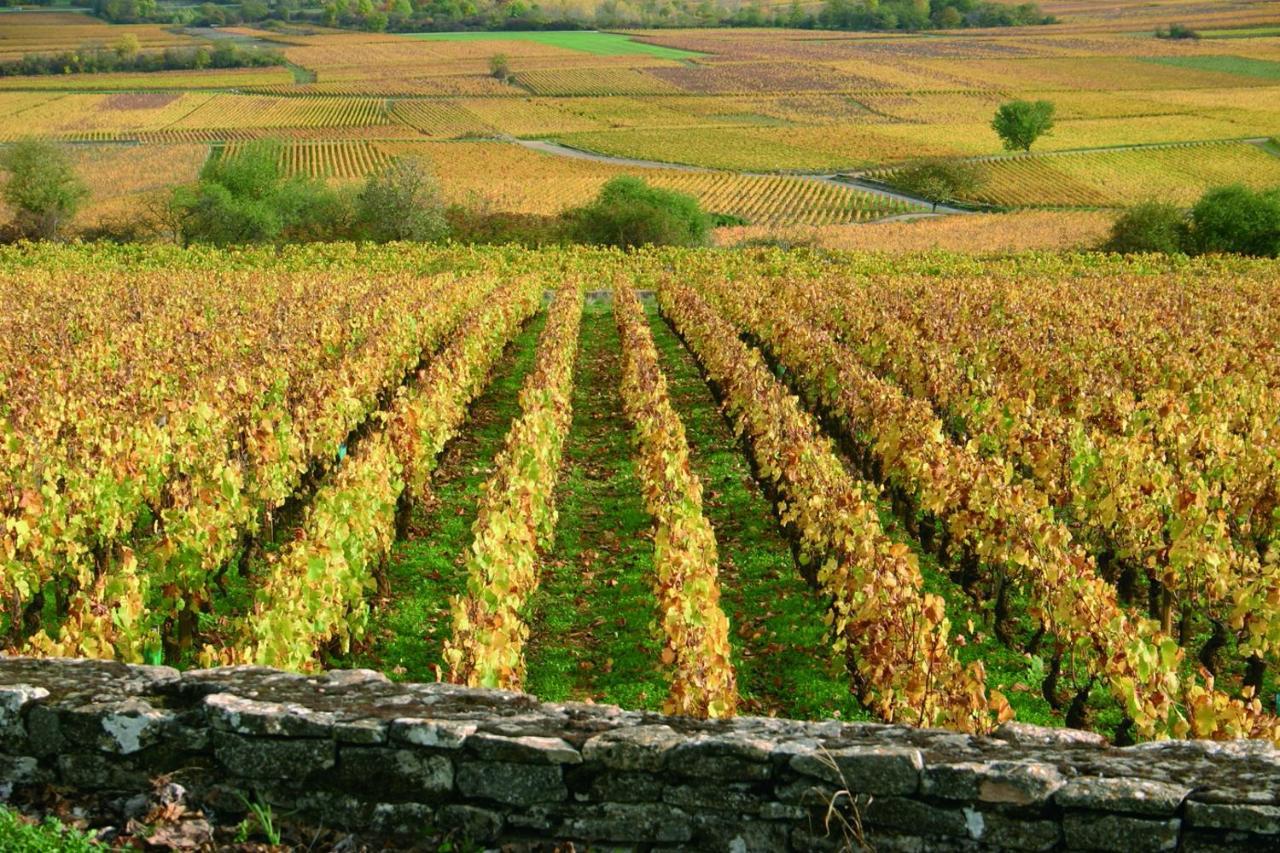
{"points": [[263, 816], [20, 835]]}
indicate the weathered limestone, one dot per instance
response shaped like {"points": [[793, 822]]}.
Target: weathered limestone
{"points": [[355, 750]]}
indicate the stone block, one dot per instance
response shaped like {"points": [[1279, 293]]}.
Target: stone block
{"points": [[714, 832], [473, 824], [611, 787], [866, 770], [735, 798], [914, 817], [394, 773], [621, 822], [267, 758], [1016, 782], [1263, 820], [527, 749], [638, 748], [437, 734], [513, 784], [1115, 794], [1095, 831], [1013, 832]]}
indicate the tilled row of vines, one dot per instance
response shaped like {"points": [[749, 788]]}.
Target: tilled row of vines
{"points": [[1082, 451]]}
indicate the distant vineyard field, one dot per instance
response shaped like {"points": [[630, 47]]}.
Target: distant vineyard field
{"points": [[1179, 174]]}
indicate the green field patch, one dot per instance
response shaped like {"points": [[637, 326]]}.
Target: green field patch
{"points": [[1263, 68], [1264, 31], [586, 41]]}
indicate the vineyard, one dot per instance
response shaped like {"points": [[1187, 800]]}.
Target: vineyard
{"points": [[1119, 178], [936, 491]]}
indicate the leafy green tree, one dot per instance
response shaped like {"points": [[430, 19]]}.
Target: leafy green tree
{"points": [[402, 201], [42, 188], [938, 180], [1020, 123], [1152, 226], [628, 212], [1237, 219], [254, 10]]}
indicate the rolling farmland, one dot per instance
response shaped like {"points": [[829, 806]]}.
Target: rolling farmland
{"points": [[725, 101]]}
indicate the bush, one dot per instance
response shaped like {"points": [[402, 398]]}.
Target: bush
{"points": [[42, 188], [628, 212], [1152, 226], [401, 201], [1237, 219], [938, 180], [246, 198], [500, 67], [1177, 31]]}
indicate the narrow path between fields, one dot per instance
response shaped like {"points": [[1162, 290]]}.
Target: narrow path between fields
{"points": [[781, 649], [426, 568], [591, 620]]}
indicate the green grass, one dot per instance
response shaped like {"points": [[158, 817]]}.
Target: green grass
{"points": [[1265, 31], [587, 41], [18, 835], [426, 567], [1262, 68], [594, 617], [781, 648]]}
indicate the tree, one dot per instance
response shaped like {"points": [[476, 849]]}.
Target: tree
{"points": [[938, 180], [1020, 123], [254, 10], [628, 212], [127, 47], [500, 67], [1152, 226], [42, 188], [1236, 219], [402, 201]]}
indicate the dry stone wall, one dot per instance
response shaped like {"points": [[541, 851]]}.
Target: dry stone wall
{"points": [[352, 750]]}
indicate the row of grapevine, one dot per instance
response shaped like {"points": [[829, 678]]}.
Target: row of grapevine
{"points": [[314, 595], [1008, 527], [896, 633], [1180, 484], [169, 473], [685, 556], [517, 515]]}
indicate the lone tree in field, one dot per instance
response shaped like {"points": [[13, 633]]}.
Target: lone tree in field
{"points": [[42, 188], [1020, 123], [500, 67], [402, 201], [939, 181]]}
